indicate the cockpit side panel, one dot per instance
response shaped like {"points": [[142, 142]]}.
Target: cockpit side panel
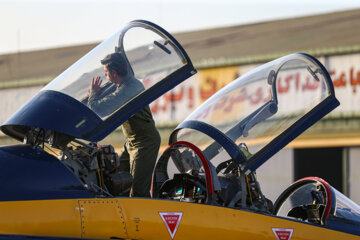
{"points": [[30, 173]]}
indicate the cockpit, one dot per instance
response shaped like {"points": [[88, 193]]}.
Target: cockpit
{"points": [[152, 57], [245, 123], [62, 119], [214, 154], [313, 200]]}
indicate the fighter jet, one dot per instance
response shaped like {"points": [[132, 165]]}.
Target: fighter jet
{"points": [[59, 183]]}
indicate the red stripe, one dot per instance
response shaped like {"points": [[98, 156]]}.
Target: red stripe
{"points": [[328, 193], [209, 182]]}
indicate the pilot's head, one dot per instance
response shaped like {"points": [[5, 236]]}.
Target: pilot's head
{"points": [[115, 67]]}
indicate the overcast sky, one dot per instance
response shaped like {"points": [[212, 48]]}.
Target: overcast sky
{"points": [[39, 24]]}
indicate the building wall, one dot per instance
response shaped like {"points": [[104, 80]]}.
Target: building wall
{"points": [[344, 70], [345, 73], [354, 174], [13, 98], [277, 174]]}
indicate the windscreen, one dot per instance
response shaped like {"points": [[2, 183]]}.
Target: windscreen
{"points": [[312, 196], [148, 57], [346, 209], [257, 107], [304, 196]]}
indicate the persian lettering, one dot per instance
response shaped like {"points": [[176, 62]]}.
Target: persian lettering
{"points": [[342, 78]]}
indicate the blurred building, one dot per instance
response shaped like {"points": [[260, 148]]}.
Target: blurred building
{"points": [[330, 149]]}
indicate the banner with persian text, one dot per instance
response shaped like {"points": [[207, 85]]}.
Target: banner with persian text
{"points": [[177, 104], [344, 71]]}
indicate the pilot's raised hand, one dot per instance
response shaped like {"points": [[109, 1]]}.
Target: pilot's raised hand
{"points": [[95, 84]]}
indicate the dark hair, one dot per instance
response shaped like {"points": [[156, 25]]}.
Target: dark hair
{"points": [[117, 62]]}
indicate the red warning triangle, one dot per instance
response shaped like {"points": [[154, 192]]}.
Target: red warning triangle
{"points": [[283, 233], [172, 221]]}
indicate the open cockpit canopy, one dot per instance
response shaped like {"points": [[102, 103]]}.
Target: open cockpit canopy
{"points": [[259, 113], [214, 153], [152, 57]]}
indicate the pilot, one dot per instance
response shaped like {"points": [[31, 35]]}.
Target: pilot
{"points": [[127, 86], [142, 138]]}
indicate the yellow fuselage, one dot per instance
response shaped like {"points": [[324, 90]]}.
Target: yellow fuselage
{"points": [[132, 218]]}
